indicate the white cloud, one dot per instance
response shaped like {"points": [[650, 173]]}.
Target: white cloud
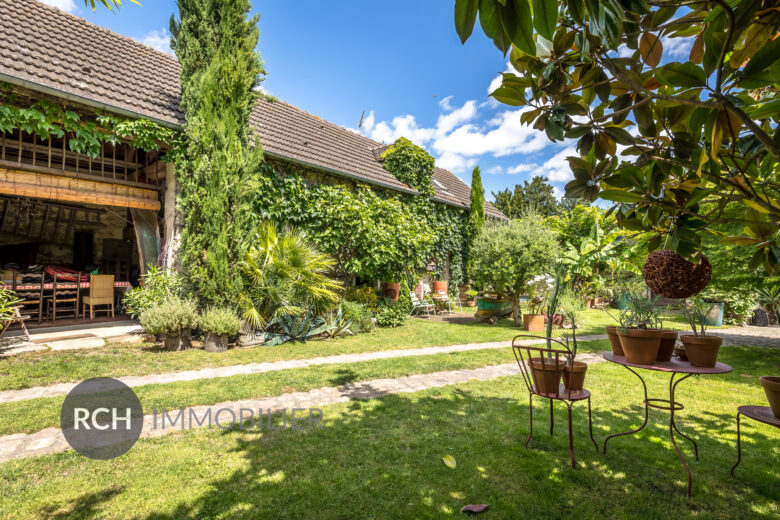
{"points": [[401, 126], [455, 162], [677, 47], [447, 122], [556, 168], [624, 52], [446, 103], [68, 6], [159, 40], [495, 170], [521, 168], [557, 193]]}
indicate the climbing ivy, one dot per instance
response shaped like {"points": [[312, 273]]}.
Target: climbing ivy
{"points": [[44, 119], [411, 165]]}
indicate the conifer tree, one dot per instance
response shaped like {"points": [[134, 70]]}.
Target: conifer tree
{"points": [[477, 209], [215, 43]]}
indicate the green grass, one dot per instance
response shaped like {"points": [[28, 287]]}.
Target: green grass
{"points": [[35, 414], [383, 459], [45, 368]]}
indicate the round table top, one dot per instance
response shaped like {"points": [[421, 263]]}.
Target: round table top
{"points": [[760, 413], [675, 365]]}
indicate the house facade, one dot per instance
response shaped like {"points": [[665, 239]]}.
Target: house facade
{"points": [[115, 208]]}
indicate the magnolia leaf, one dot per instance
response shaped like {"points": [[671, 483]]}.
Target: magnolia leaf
{"points": [[764, 57], [682, 75], [620, 196], [651, 49], [465, 17], [449, 461], [474, 508], [697, 50], [739, 240], [717, 138], [755, 205], [545, 17]]}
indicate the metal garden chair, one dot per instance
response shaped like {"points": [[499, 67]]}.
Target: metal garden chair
{"points": [[552, 355], [418, 305]]}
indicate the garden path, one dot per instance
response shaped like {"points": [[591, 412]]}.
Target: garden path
{"points": [[51, 440]]}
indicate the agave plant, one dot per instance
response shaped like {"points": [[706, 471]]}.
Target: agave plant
{"points": [[339, 325], [770, 297], [287, 327], [285, 276], [8, 300]]}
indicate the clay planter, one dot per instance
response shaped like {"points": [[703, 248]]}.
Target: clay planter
{"points": [[547, 375], [640, 346], [215, 342], [614, 341], [471, 303], [574, 376], [772, 388], [533, 322], [680, 351], [666, 349], [440, 286], [702, 351], [392, 290]]}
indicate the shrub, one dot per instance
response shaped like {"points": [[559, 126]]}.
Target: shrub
{"points": [[363, 295], [170, 317], [157, 286], [220, 321], [391, 314], [361, 316], [8, 300], [739, 307]]}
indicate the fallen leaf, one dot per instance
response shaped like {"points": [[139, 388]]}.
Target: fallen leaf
{"points": [[449, 460], [474, 508]]}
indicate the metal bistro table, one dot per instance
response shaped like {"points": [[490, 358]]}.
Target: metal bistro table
{"points": [[762, 414], [675, 367]]}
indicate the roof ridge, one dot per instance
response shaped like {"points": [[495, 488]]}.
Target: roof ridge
{"points": [[93, 25]]}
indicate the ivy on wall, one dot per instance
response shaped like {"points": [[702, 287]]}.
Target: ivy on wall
{"points": [[411, 165], [44, 119]]}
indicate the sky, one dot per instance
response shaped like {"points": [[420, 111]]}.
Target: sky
{"points": [[399, 65]]}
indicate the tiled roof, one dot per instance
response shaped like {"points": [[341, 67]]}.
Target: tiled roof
{"points": [[69, 57]]}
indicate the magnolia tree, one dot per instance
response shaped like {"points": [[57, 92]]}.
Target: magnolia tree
{"points": [[505, 258], [671, 143]]}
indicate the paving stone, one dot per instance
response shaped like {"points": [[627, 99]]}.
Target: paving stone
{"points": [[77, 344]]}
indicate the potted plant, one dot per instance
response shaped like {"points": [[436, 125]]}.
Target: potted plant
{"points": [[218, 324], [614, 339], [547, 372], [638, 337], [574, 372], [175, 318], [668, 341], [701, 350], [534, 320], [771, 386], [471, 297]]}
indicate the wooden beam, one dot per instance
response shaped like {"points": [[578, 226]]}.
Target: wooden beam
{"points": [[10, 165], [56, 187]]}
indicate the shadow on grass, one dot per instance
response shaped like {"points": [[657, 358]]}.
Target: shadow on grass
{"points": [[383, 459], [84, 507]]}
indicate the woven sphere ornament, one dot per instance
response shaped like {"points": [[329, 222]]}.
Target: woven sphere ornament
{"points": [[670, 275]]}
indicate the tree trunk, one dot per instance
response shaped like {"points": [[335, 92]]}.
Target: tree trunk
{"points": [[516, 311]]}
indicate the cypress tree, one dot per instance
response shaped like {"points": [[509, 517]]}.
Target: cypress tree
{"points": [[215, 43], [477, 209]]}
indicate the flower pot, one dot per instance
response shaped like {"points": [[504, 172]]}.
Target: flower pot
{"points": [[471, 303], [771, 386], [574, 376], [614, 341], [440, 286], [533, 322], [666, 349], [547, 375], [215, 342], [588, 303], [392, 290], [640, 345], [173, 341], [702, 351]]}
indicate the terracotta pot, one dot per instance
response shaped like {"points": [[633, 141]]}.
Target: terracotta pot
{"points": [[640, 346], [547, 376], [574, 376], [702, 351], [533, 322], [588, 303], [471, 303], [771, 386], [440, 286], [392, 290], [680, 351], [666, 349], [215, 342], [614, 341]]}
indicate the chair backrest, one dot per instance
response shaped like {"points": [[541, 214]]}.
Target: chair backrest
{"points": [[67, 288], [414, 298], [550, 354], [29, 294], [101, 287]]}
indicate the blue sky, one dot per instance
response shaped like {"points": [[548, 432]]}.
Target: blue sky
{"points": [[400, 62]]}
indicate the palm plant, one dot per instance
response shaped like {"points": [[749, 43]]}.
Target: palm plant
{"points": [[8, 301], [285, 275], [770, 297]]}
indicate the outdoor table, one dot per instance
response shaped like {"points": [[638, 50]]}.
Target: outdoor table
{"points": [[757, 413], [675, 367]]}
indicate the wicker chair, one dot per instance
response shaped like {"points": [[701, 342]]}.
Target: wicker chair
{"points": [[101, 292], [549, 355]]}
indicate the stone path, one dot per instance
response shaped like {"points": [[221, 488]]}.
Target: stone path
{"points": [[82, 337], [51, 440], [749, 336], [58, 389]]}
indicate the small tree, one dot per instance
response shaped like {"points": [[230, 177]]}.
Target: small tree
{"points": [[477, 209], [506, 258]]}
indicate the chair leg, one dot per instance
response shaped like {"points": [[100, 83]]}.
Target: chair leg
{"points": [[571, 439], [530, 418], [590, 427], [112, 309], [552, 417]]}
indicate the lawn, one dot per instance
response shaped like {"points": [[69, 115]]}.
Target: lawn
{"points": [[382, 458], [45, 368]]}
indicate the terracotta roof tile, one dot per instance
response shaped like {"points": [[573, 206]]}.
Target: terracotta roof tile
{"points": [[55, 50]]}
